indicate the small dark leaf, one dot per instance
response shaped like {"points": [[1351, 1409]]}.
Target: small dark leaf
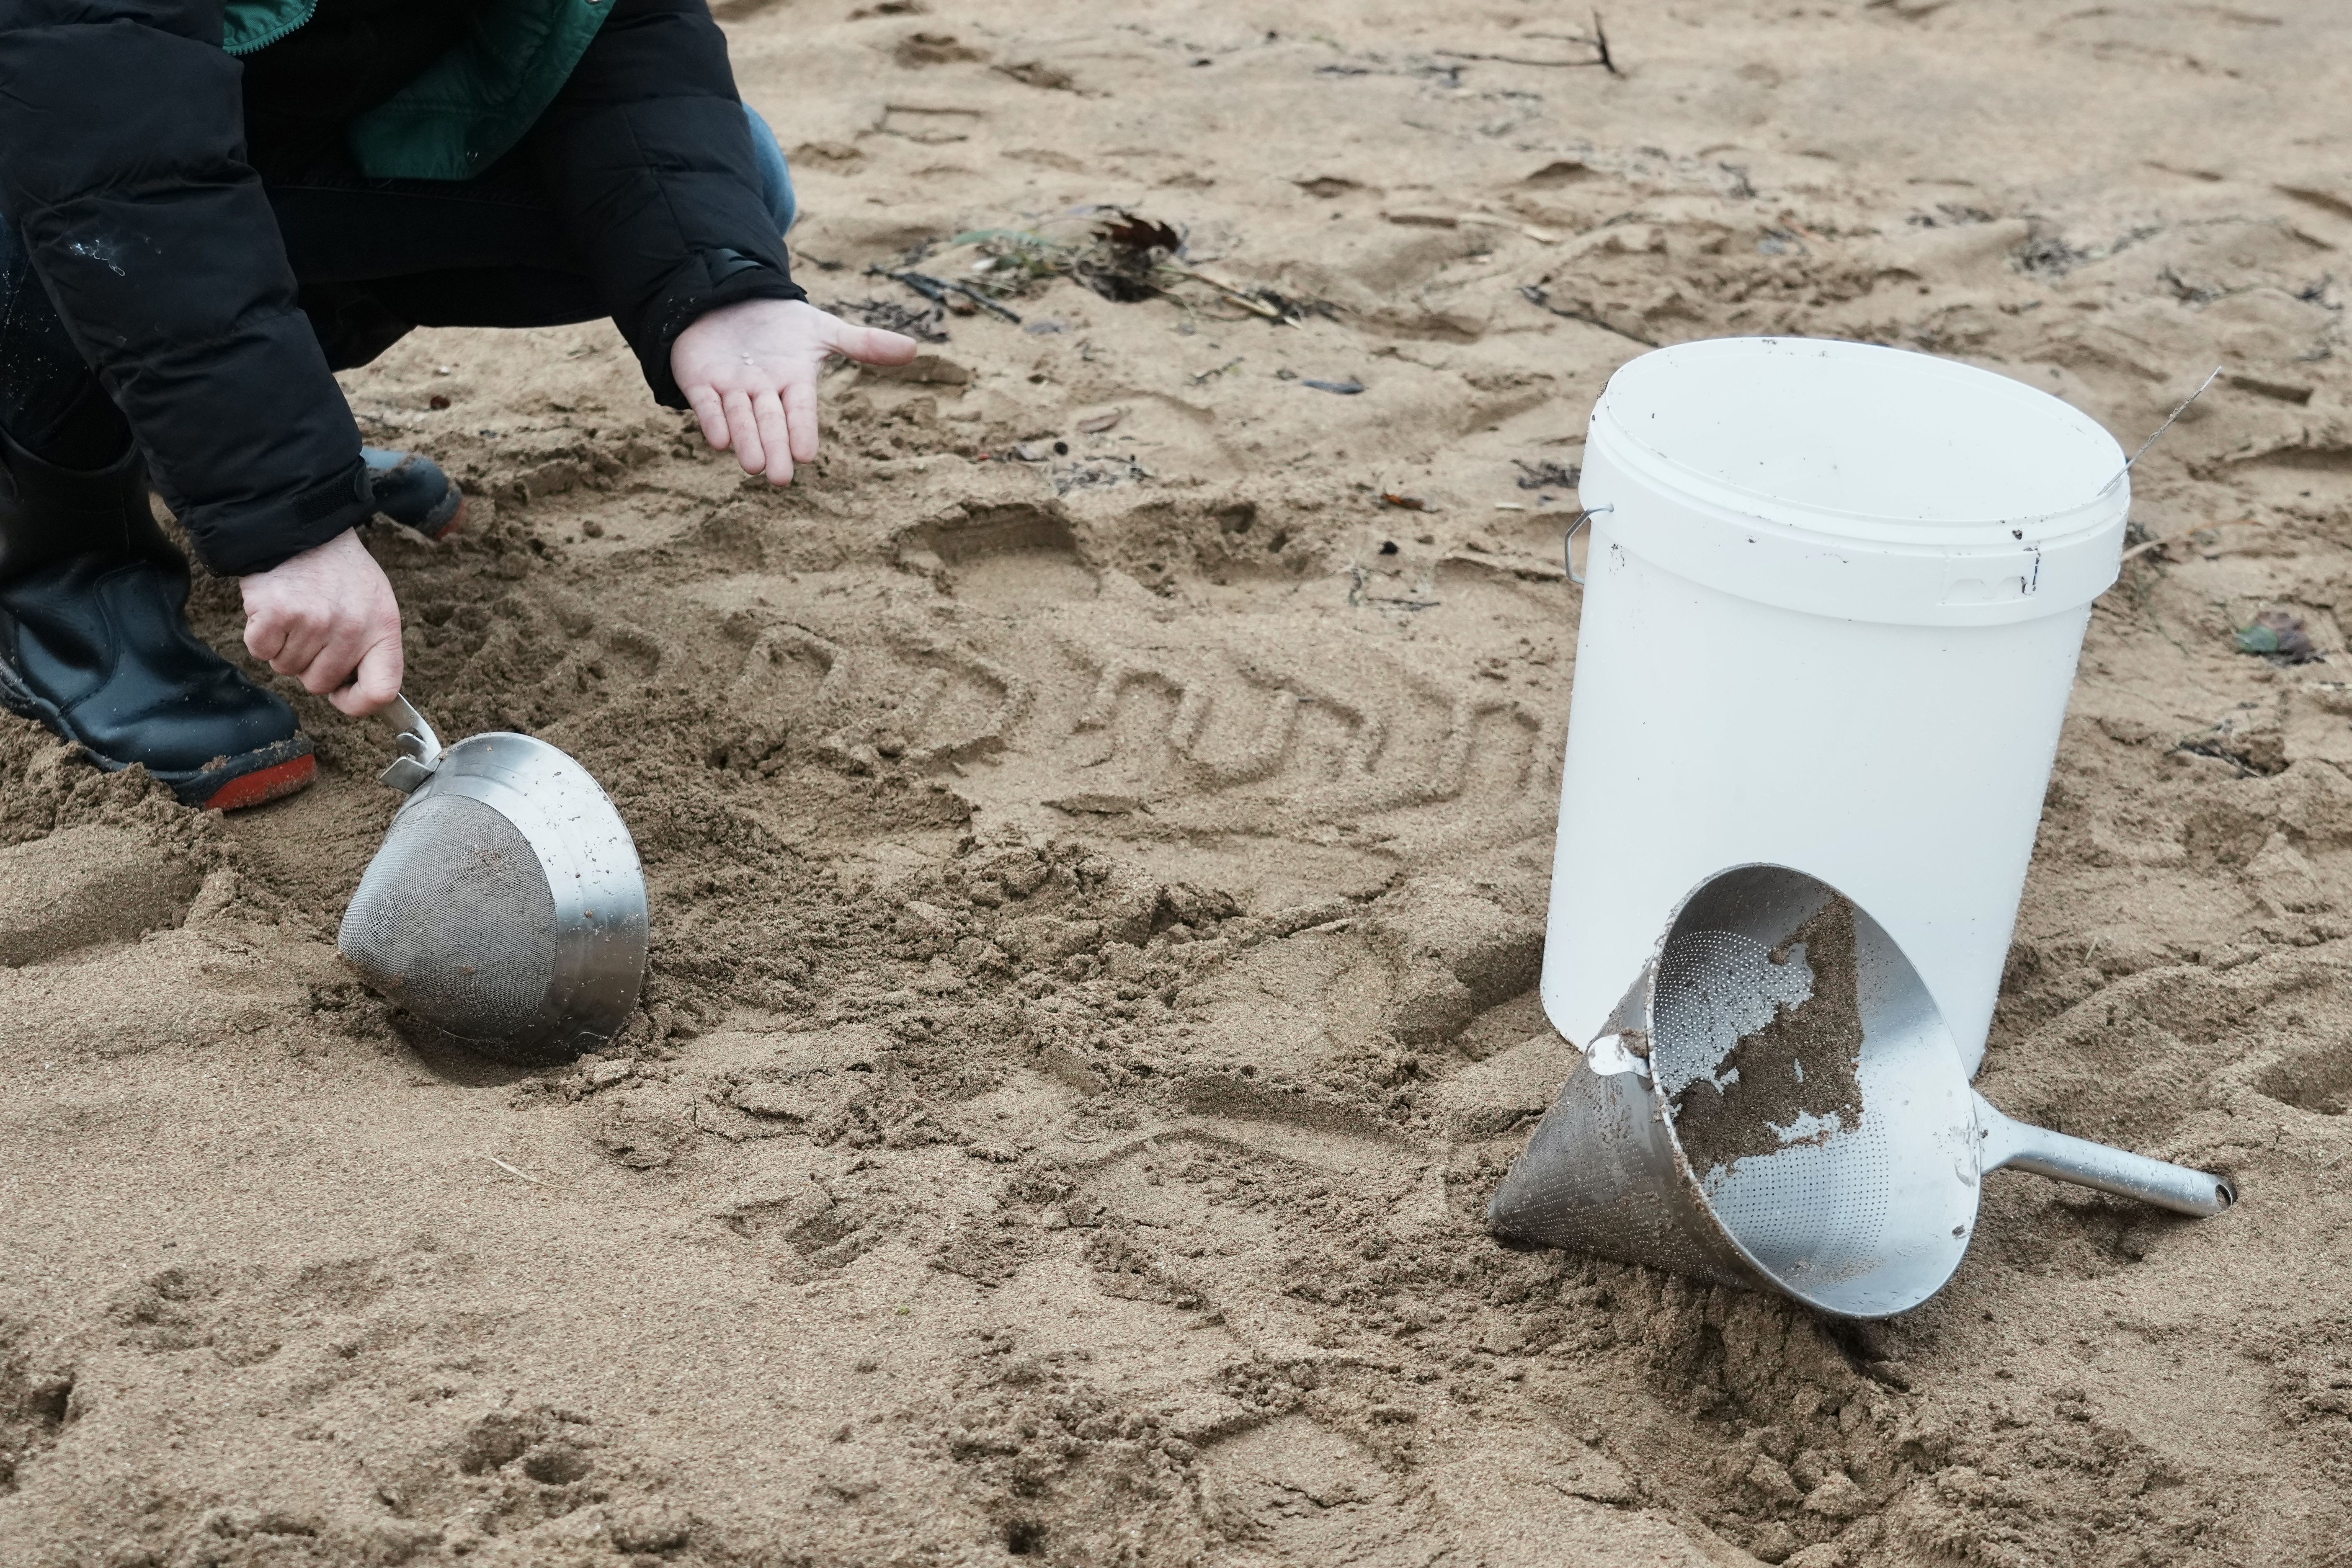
{"points": [[1140, 235], [2276, 634]]}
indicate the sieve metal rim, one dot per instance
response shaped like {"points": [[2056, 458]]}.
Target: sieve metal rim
{"points": [[592, 871]]}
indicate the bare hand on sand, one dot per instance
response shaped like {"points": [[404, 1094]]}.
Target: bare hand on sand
{"points": [[750, 372]]}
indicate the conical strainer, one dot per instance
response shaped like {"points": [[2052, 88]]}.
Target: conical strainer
{"points": [[1780, 1105], [506, 908]]}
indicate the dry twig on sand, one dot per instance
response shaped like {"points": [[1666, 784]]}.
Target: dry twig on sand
{"points": [[936, 290], [1488, 220], [1248, 301], [892, 316], [1598, 42], [1536, 294], [514, 1170]]}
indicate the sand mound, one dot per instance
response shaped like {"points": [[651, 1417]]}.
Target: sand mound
{"points": [[1099, 826]]}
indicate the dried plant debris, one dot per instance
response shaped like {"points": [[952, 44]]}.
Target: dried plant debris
{"points": [[2279, 636], [1139, 237], [1120, 255], [1537, 295], [960, 298], [1598, 42], [1548, 475], [1014, 261], [894, 317], [1099, 473], [2252, 740], [1126, 253], [1113, 255]]}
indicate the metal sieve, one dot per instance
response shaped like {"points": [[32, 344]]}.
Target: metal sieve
{"points": [[1779, 1105], [506, 910]]}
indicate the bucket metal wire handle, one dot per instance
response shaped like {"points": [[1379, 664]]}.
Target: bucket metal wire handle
{"points": [[1568, 540]]}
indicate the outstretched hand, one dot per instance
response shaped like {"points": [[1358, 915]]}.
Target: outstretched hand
{"points": [[327, 617], [748, 371]]}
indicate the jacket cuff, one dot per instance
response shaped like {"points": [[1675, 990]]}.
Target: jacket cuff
{"points": [[709, 282], [238, 538]]}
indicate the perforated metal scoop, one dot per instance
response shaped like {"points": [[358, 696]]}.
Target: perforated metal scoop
{"points": [[506, 908], [1791, 1113]]}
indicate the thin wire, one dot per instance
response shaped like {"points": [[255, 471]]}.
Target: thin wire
{"points": [[2160, 429]]}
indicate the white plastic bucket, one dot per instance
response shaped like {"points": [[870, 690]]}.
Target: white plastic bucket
{"points": [[1835, 595]]}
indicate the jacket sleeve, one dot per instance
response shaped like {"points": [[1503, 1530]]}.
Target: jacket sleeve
{"points": [[647, 155], [122, 163]]}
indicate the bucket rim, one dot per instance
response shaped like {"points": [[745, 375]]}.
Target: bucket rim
{"points": [[2098, 509]]}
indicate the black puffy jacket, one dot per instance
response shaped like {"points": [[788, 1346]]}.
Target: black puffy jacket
{"points": [[124, 164]]}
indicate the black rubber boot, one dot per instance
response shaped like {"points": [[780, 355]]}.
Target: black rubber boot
{"points": [[411, 489], [95, 642]]}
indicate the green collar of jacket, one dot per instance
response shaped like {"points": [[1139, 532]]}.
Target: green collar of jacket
{"points": [[469, 108]]}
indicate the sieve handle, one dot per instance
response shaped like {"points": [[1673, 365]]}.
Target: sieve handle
{"points": [[2021, 1146], [419, 743]]}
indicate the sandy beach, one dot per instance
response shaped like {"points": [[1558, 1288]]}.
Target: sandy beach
{"points": [[1099, 822]]}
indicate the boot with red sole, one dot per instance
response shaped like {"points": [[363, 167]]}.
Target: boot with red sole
{"points": [[95, 641]]}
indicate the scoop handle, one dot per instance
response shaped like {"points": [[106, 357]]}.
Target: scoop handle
{"points": [[419, 743], [2021, 1146], [405, 721]]}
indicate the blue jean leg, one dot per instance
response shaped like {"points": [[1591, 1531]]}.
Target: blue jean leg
{"points": [[775, 175]]}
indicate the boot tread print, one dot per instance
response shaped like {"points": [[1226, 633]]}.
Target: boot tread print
{"points": [[95, 642]]}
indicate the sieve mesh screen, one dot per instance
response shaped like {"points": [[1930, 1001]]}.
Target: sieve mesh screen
{"points": [[454, 920], [1715, 989], [1762, 1064]]}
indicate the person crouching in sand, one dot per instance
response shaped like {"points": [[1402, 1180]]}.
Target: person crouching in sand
{"points": [[210, 208]]}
